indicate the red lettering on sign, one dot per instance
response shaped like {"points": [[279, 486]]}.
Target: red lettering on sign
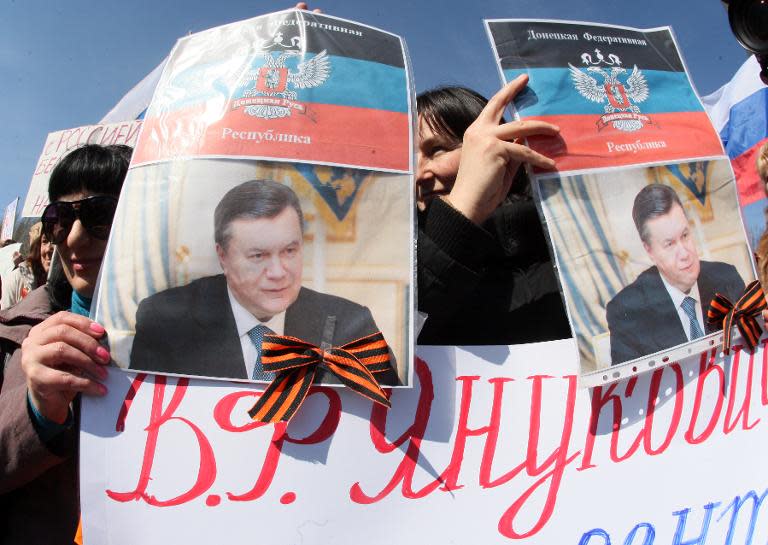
{"points": [[136, 383], [730, 422], [653, 400], [414, 434], [707, 368], [554, 465], [326, 428], [206, 473], [133, 134], [764, 376]]}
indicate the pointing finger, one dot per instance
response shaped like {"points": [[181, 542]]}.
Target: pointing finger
{"points": [[494, 110]]}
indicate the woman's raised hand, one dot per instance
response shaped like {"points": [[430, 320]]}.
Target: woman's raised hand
{"points": [[492, 153]]}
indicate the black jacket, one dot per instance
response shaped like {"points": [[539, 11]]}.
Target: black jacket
{"points": [[489, 285], [643, 320], [190, 330]]}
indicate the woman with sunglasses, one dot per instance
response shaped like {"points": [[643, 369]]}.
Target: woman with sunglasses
{"points": [[484, 272], [52, 353]]}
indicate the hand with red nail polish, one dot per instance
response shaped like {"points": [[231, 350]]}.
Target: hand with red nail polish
{"points": [[62, 357]]}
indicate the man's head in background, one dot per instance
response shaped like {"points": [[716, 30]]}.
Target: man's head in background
{"points": [[666, 235], [258, 229]]}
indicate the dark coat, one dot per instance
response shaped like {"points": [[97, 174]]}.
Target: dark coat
{"points": [[39, 502], [642, 318], [190, 330], [487, 285]]}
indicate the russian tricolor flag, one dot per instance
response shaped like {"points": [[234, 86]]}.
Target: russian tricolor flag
{"points": [[739, 112]]}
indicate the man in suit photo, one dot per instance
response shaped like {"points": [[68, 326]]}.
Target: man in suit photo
{"points": [[213, 326], [667, 304]]}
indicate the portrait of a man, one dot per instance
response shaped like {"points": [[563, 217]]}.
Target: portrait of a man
{"points": [[213, 326], [666, 305]]}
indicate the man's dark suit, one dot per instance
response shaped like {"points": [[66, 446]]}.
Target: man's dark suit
{"points": [[642, 318], [191, 330]]}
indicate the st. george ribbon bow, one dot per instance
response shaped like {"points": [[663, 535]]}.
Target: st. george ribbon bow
{"points": [[723, 312], [296, 362]]}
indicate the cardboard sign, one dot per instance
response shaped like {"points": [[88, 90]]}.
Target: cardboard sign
{"points": [[59, 143], [9, 218], [492, 445], [7, 263]]}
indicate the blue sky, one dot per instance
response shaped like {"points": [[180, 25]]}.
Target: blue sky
{"points": [[66, 64]]}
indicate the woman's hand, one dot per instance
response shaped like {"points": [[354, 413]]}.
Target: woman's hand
{"points": [[492, 153], [61, 357], [304, 5]]}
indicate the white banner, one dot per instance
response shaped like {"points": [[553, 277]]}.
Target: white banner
{"points": [[7, 263], [9, 219], [492, 445]]}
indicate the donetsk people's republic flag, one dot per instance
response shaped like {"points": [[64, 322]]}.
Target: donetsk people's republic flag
{"points": [[292, 86], [620, 96]]}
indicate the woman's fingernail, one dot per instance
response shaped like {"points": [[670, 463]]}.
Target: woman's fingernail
{"points": [[102, 390], [103, 354], [97, 328]]}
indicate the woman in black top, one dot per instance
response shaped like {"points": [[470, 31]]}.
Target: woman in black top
{"points": [[484, 272]]}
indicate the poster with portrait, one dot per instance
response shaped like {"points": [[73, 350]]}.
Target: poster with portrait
{"points": [[216, 253], [175, 296], [642, 211], [641, 252]]}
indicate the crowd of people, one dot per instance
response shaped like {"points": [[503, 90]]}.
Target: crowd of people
{"points": [[485, 277], [30, 272]]}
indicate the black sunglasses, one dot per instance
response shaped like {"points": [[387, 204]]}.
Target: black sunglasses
{"points": [[95, 213]]}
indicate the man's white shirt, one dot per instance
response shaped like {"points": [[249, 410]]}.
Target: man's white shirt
{"points": [[246, 321], [677, 300]]}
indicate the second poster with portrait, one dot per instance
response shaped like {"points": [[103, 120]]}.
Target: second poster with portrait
{"points": [[642, 212]]}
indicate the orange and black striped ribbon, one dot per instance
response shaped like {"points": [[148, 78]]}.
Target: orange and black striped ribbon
{"points": [[723, 312], [296, 362]]}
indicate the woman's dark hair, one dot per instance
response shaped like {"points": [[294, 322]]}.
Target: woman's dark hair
{"points": [[450, 110], [90, 168]]}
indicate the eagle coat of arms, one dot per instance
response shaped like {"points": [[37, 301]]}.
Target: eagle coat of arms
{"points": [[271, 95], [620, 98]]}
